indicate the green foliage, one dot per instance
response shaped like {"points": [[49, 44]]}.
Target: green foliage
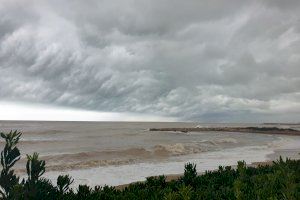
{"points": [[190, 174], [9, 156], [185, 192], [83, 192], [281, 180], [63, 183], [35, 168]]}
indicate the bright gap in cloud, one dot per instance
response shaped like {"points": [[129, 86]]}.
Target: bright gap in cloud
{"points": [[21, 111]]}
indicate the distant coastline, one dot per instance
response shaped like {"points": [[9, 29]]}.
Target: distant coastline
{"points": [[263, 130], [287, 124]]}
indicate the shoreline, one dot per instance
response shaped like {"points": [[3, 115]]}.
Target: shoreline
{"points": [[172, 177], [285, 153]]}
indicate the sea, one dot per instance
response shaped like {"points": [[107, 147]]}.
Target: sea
{"points": [[116, 153]]}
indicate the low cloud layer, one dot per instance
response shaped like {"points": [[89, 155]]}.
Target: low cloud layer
{"points": [[192, 60]]}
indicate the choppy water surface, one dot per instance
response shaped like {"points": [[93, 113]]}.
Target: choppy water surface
{"points": [[81, 148]]}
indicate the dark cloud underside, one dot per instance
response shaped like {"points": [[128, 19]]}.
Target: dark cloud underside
{"points": [[195, 60]]}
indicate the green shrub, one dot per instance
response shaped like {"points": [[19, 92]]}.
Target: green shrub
{"points": [[9, 156], [190, 174]]}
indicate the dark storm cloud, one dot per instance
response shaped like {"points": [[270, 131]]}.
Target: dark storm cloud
{"points": [[197, 60]]}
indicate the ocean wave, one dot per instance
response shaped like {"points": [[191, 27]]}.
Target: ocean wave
{"points": [[90, 159], [226, 140], [177, 149], [34, 141], [85, 160], [65, 166]]}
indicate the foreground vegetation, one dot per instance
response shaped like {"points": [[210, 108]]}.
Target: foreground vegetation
{"points": [[278, 181]]}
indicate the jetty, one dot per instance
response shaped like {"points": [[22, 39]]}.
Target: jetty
{"points": [[264, 130]]}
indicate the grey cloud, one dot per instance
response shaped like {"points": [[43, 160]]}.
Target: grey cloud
{"points": [[197, 60]]}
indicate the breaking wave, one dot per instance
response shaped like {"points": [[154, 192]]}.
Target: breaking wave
{"points": [[91, 159]]}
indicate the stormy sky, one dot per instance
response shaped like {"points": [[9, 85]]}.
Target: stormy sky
{"points": [[193, 60]]}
